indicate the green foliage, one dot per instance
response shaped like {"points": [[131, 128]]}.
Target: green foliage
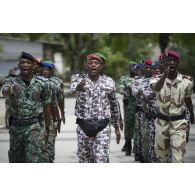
{"points": [[119, 48]]}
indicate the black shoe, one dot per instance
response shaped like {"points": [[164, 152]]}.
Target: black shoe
{"points": [[137, 157], [124, 147], [128, 148]]}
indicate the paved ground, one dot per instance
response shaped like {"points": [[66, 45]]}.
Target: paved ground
{"points": [[66, 144]]}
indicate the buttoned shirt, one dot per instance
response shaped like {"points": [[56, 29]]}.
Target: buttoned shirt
{"points": [[97, 100], [171, 98], [28, 102]]}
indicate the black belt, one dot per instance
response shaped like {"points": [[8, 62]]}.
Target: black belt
{"points": [[23, 122], [92, 127], [139, 108], [170, 118]]}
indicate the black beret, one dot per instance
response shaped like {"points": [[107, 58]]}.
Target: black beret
{"points": [[26, 56]]}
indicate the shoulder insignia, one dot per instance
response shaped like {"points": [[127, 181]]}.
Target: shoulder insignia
{"points": [[11, 75], [41, 78]]}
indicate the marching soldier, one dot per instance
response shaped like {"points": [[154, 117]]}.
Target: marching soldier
{"points": [[150, 115], [56, 121], [125, 88], [29, 99], [173, 92], [96, 106], [139, 116]]}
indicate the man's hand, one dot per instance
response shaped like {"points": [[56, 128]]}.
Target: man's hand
{"points": [[59, 125], [63, 119], [16, 87], [166, 71], [121, 124], [126, 93], [192, 120], [118, 135], [46, 135], [81, 85]]}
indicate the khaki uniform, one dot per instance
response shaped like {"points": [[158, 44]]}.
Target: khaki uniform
{"points": [[171, 135]]}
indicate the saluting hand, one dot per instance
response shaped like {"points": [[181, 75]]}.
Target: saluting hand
{"points": [[166, 71]]}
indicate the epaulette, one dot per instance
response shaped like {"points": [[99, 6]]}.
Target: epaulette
{"points": [[53, 81], [187, 77], [41, 78], [11, 75]]}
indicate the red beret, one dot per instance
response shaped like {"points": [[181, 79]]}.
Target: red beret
{"points": [[94, 56], [37, 60], [162, 56], [173, 53], [148, 62]]}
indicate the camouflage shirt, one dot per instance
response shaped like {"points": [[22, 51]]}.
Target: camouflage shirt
{"points": [[126, 83], [170, 99], [28, 102], [59, 87], [137, 91], [96, 100]]}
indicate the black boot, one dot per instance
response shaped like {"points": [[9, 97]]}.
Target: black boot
{"points": [[137, 157], [124, 147], [128, 148]]}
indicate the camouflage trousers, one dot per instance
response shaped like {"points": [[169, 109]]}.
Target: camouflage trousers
{"points": [[25, 144], [49, 148], [170, 140], [129, 121], [148, 144], [138, 135], [152, 153], [93, 149]]}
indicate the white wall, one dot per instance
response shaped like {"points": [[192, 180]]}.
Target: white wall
{"points": [[11, 52]]}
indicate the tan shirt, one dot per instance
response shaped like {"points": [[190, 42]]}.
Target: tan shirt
{"points": [[170, 99]]}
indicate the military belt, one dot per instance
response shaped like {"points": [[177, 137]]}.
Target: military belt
{"points": [[139, 109], [169, 117], [92, 127], [23, 122]]}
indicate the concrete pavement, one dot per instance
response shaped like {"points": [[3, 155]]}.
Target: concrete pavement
{"points": [[66, 143]]}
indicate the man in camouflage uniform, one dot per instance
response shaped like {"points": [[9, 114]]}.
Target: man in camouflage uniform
{"points": [[29, 99], [150, 115], [56, 97], [142, 132], [60, 94], [138, 112], [125, 88], [173, 92], [96, 104]]}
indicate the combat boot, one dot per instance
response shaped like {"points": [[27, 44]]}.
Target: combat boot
{"points": [[124, 147], [128, 148], [137, 157]]}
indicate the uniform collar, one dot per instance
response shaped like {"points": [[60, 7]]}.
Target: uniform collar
{"points": [[179, 78]]}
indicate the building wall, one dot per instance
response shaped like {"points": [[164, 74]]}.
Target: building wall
{"points": [[11, 51]]}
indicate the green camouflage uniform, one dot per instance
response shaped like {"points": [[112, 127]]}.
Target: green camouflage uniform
{"points": [[171, 135], [57, 95], [27, 105], [126, 84]]}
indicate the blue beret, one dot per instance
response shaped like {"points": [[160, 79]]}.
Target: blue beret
{"points": [[26, 56], [138, 66], [155, 64], [47, 64]]}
